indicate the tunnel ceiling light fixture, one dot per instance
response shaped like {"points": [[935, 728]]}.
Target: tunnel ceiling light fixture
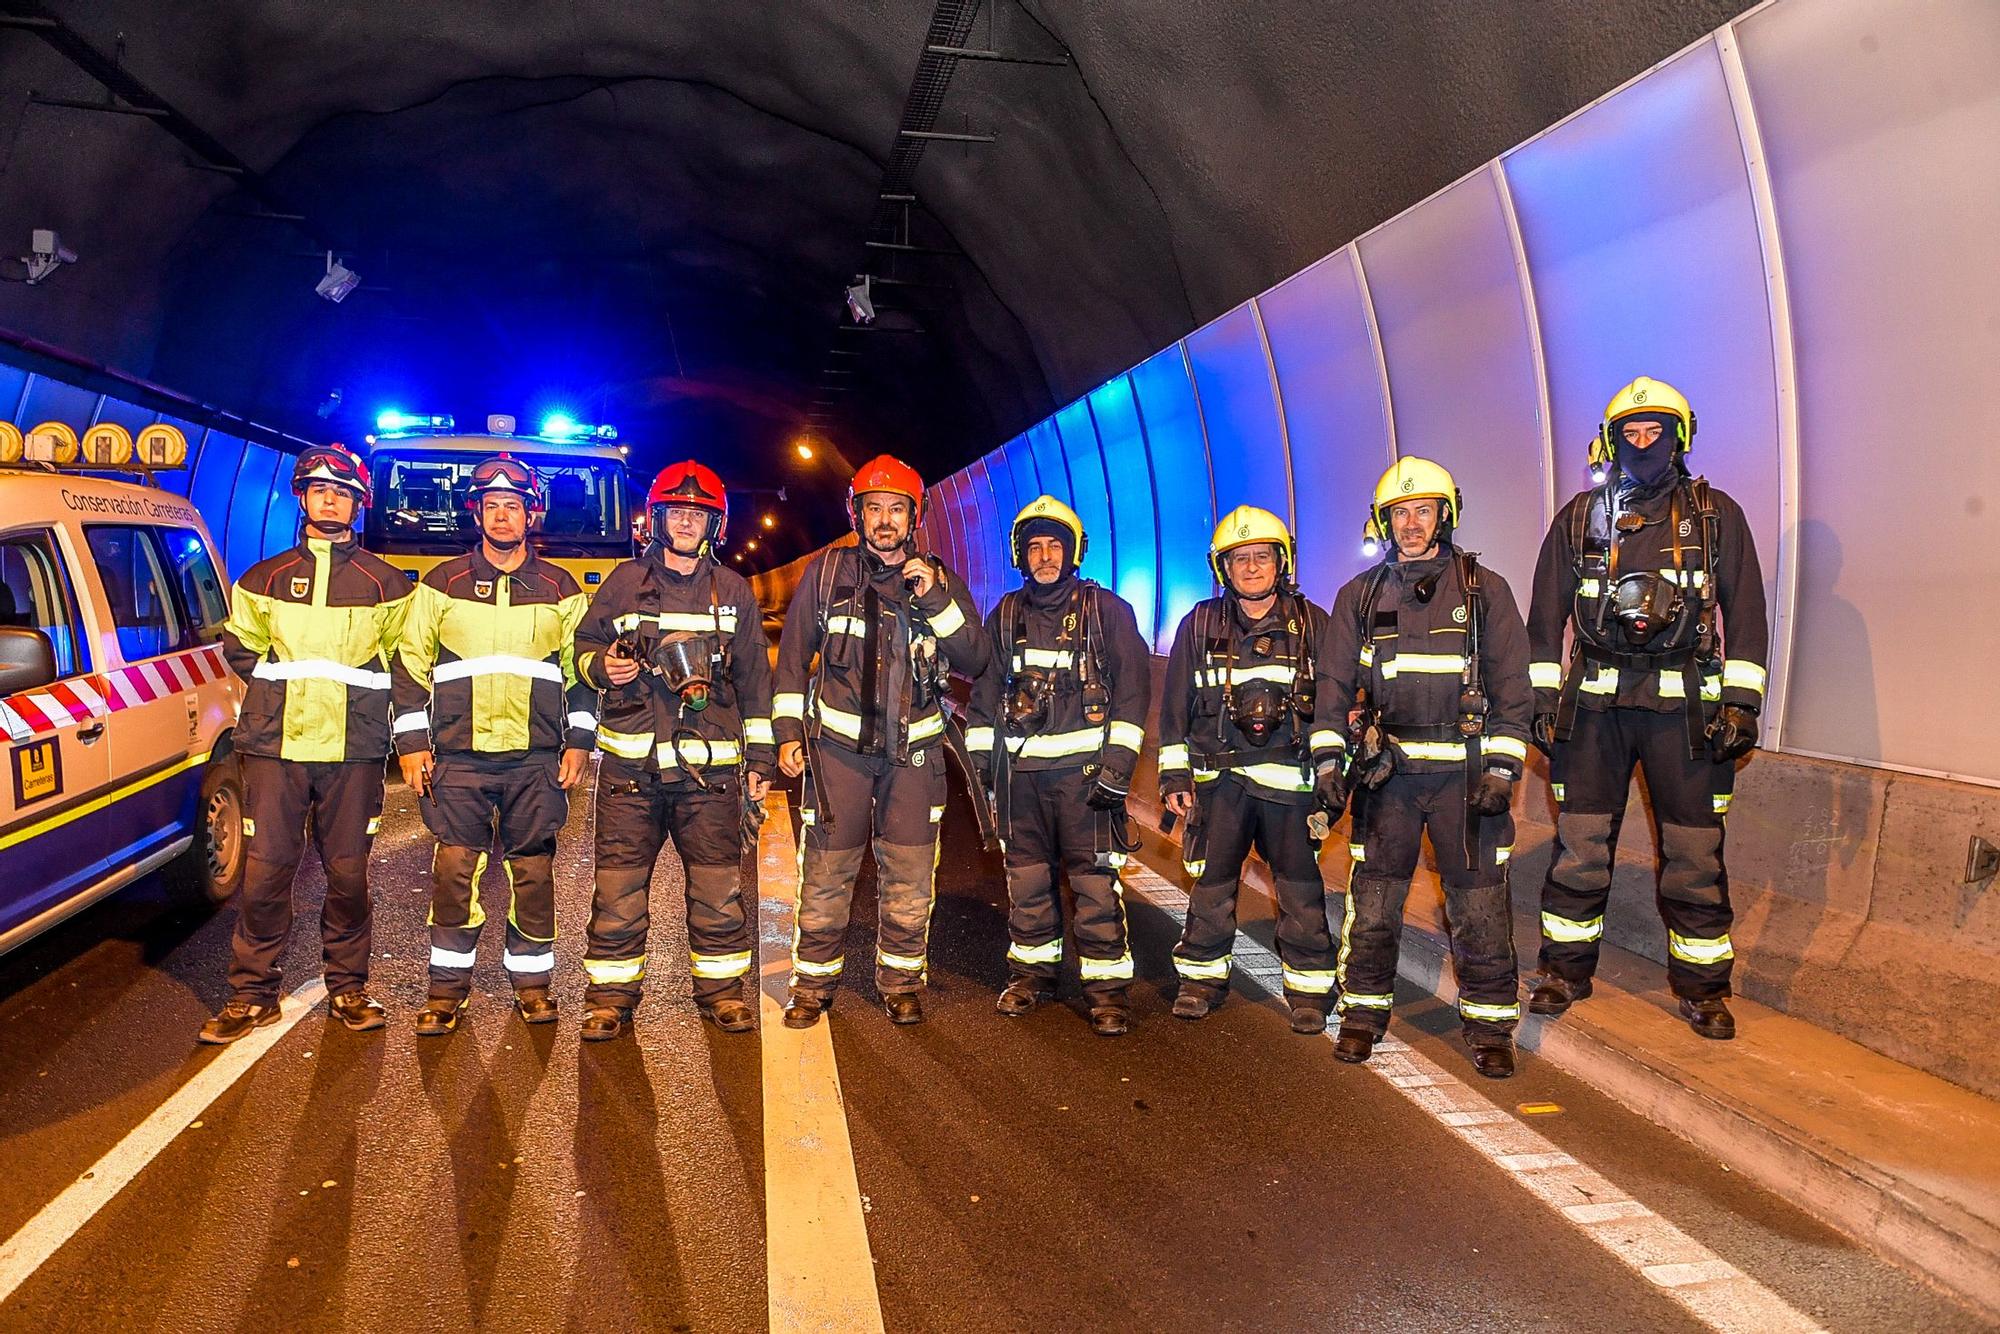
{"points": [[860, 304], [338, 282]]}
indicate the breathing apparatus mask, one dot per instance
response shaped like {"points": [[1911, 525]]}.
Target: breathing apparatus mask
{"points": [[1258, 709], [683, 661], [1028, 696], [1645, 604]]}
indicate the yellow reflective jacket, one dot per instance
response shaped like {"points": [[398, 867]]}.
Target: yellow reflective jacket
{"points": [[487, 665], [312, 630]]}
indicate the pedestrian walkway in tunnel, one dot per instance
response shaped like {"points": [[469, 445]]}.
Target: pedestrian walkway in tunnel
{"points": [[1007, 1173]]}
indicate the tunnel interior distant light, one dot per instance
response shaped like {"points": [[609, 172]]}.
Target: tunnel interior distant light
{"points": [[860, 301], [338, 282], [46, 254], [770, 521], [803, 447], [751, 545]]}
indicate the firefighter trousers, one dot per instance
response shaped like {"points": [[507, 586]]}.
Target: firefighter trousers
{"points": [[1052, 832], [341, 804], [1388, 836], [1592, 774], [637, 811], [473, 804], [850, 801], [1236, 820]]}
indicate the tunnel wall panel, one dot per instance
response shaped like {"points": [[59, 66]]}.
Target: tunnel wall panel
{"points": [[1630, 277], [52, 400], [1881, 141], [1462, 378], [1246, 443], [249, 503], [1021, 463], [986, 535], [1050, 465], [1129, 472], [1089, 488], [1330, 377], [214, 482], [1171, 420], [1007, 502]]}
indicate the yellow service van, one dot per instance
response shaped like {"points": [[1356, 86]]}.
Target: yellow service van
{"points": [[114, 695]]}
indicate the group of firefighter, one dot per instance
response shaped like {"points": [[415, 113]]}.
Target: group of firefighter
{"points": [[1409, 707]]}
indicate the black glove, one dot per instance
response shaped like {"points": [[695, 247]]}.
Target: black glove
{"points": [[1732, 734], [1331, 790], [1543, 731], [1493, 794], [1108, 793]]}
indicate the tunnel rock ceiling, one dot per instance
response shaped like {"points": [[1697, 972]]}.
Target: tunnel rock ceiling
{"points": [[648, 213]]}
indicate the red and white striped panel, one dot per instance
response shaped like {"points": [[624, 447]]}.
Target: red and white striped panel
{"points": [[78, 699], [177, 672]]}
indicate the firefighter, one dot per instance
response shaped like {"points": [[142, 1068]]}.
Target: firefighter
{"points": [[311, 631], [1236, 764], [1656, 573], [492, 729], [861, 668], [1056, 727], [676, 641], [1428, 656]]}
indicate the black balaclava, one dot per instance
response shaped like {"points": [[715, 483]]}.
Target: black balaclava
{"points": [[1038, 527], [1647, 469]]}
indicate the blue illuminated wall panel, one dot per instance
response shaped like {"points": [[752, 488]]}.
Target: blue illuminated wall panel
{"points": [[215, 475], [1331, 383], [1007, 502], [249, 503], [1088, 487], [1462, 379], [1172, 424], [1134, 526], [1021, 463], [1245, 441], [53, 401], [986, 535], [281, 515], [13, 386], [1632, 279], [1050, 465]]}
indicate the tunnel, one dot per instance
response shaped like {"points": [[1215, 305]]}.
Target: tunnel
{"points": [[1157, 262]]}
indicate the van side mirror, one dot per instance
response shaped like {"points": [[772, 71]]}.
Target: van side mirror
{"points": [[27, 659]]}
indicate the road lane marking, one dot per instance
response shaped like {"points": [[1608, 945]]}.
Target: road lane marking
{"points": [[61, 1218], [1680, 1268], [819, 1274]]}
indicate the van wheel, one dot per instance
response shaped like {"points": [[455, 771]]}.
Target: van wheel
{"points": [[213, 865]]}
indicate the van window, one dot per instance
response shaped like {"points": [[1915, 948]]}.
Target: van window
{"points": [[202, 600], [35, 595], [142, 601]]}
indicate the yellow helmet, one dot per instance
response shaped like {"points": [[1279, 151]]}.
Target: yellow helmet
{"points": [[1411, 478], [1051, 510], [1244, 526], [1644, 394]]}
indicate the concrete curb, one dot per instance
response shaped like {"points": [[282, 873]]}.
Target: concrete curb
{"points": [[1929, 1236], [1932, 1237]]}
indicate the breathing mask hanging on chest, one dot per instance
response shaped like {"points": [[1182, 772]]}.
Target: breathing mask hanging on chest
{"points": [[1028, 695], [1645, 604], [685, 662], [1259, 708]]}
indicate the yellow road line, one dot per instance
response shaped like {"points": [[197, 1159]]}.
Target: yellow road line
{"points": [[818, 1270]]}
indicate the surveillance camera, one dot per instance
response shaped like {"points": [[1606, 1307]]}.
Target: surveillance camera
{"points": [[46, 254], [859, 305], [339, 280]]}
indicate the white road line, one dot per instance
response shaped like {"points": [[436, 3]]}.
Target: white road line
{"points": [[819, 1274], [61, 1218], [1711, 1289]]}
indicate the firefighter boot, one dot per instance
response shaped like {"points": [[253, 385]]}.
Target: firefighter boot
{"points": [[1551, 995], [439, 1016], [1710, 1018], [1493, 1058], [1021, 995], [1354, 1045], [535, 1005]]}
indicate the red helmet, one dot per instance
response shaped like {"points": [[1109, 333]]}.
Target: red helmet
{"points": [[883, 473], [692, 486], [334, 463], [509, 476]]}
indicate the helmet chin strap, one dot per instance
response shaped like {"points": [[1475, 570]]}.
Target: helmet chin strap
{"points": [[327, 528], [499, 545]]}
